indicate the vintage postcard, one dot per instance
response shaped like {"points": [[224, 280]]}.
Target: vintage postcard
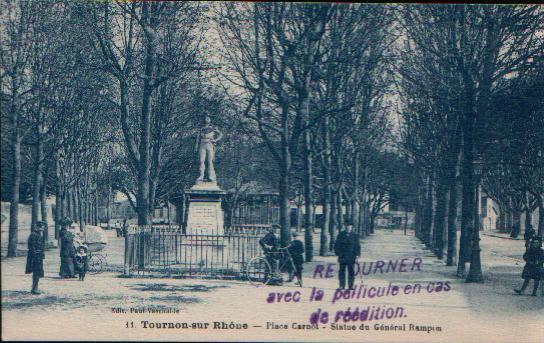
{"points": [[271, 171]]}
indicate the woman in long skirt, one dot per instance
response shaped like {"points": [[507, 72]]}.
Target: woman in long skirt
{"points": [[67, 254]]}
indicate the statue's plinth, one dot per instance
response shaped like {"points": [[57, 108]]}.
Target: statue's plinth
{"points": [[205, 215]]}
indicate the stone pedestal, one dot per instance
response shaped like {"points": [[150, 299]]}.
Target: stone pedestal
{"points": [[205, 215]]}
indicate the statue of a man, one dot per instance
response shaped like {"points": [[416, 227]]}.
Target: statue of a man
{"points": [[207, 137]]}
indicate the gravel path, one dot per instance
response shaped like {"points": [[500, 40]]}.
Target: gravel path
{"points": [[100, 307]]}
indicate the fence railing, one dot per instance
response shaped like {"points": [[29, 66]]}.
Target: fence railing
{"points": [[247, 229], [167, 250]]}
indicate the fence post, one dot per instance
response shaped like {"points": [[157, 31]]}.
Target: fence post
{"points": [[126, 269]]}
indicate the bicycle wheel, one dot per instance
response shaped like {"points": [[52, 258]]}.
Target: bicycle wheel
{"points": [[95, 264], [258, 271]]}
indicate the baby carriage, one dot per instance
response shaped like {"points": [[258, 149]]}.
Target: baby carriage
{"points": [[94, 240]]}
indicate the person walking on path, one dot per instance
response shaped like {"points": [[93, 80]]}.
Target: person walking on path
{"points": [[347, 248], [35, 255], [534, 258], [124, 229], [118, 230], [67, 251], [296, 249], [529, 234]]}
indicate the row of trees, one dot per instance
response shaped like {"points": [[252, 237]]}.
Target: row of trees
{"points": [[470, 81], [95, 98], [51, 115], [307, 85], [100, 98], [314, 82]]}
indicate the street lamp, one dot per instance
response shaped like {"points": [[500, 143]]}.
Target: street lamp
{"points": [[475, 272]]}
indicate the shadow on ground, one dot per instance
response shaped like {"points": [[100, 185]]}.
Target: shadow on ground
{"points": [[163, 287], [24, 300]]}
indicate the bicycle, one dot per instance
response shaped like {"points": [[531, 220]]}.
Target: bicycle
{"points": [[259, 272]]}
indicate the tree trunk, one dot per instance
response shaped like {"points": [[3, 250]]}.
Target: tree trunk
{"points": [[416, 221], [15, 185], [528, 216], [517, 223], [540, 217], [452, 229], [59, 196], [43, 203], [339, 210], [362, 230], [327, 238], [323, 243], [405, 220], [37, 178], [94, 210], [142, 199], [152, 193], [333, 221], [500, 219], [108, 207], [428, 214], [68, 203], [59, 209], [86, 210], [440, 218], [284, 209], [356, 201], [144, 165], [80, 212], [75, 205], [364, 213], [308, 196], [467, 206], [509, 221], [299, 216]]}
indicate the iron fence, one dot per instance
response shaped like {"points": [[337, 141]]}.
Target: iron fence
{"points": [[248, 229], [167, 250]]}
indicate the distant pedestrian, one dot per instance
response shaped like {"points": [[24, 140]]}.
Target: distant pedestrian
{"points": [[529, 234], [81, 262], [118, 230], [347, 248], [36, 255], [124, 229], [296, 249], [67, 252], [534, 258]]}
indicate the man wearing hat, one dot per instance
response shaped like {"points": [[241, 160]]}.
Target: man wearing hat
{"points": [[35, 255], [347, 247], [269, 243], [529, 234], [296, 249], [534, 258]]}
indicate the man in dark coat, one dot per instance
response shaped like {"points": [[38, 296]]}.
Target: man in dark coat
{"points": [[347, 248], [67, 252], [534, 258], [35, 255], [530, 233], [269, 243], [296, 250]]}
